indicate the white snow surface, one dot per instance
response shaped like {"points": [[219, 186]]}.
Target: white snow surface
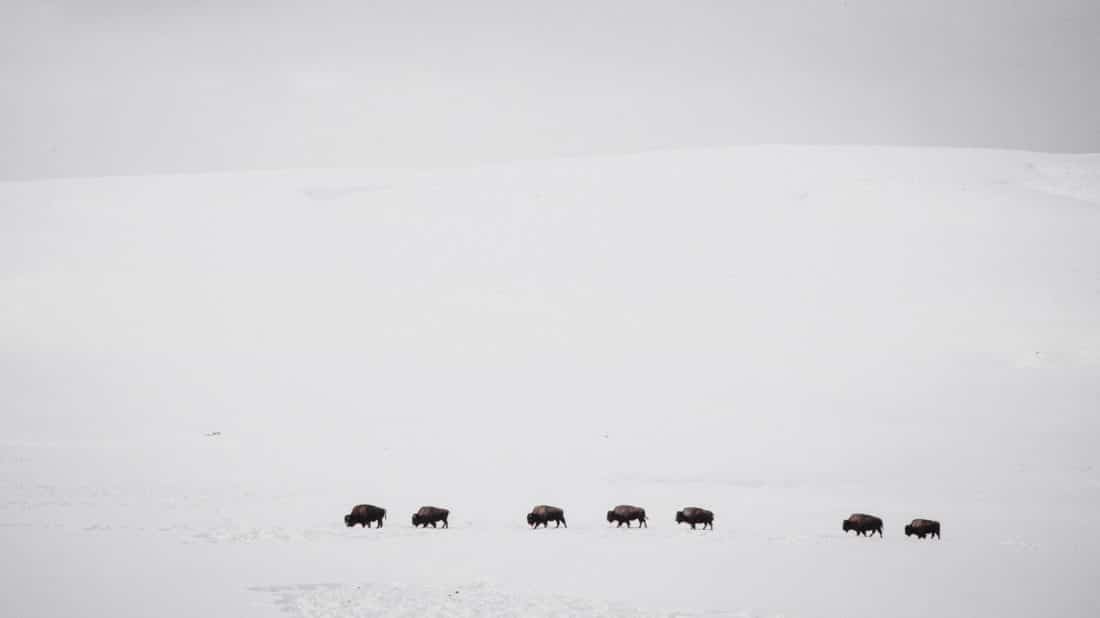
{"points": [[783, 335]]}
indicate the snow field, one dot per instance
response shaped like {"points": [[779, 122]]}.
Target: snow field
{"points": [[782, 335]]}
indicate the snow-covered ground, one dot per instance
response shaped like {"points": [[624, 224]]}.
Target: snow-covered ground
{"points": [[783, 335]]}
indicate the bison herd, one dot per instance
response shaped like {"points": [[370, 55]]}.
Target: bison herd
{"points": [[862, 523]]}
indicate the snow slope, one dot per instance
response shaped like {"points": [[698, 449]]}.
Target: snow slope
{"points": [[784, 335]]}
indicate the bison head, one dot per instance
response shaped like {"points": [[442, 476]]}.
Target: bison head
{"points": [[908, 529], [610, 517], [347, 521], [847, 525], [531, 519], [679, 517], [416, 519]]}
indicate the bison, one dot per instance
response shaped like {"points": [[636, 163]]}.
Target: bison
{"points": [[430, 515], [364, 514], [923, 528], [624, 514], [542, 514], [863, 524], [695, 515]]}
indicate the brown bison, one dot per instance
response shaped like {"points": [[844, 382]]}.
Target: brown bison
{"points": [[863, 524], [542, 514], [430, 515], [923, 528], [624, 514], [695, 515], [364, 514]]}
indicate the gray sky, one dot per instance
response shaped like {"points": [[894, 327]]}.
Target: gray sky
{"points": [[140, 86]]}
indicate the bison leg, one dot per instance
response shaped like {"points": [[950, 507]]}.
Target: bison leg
{"points": [[642, 522], [445, 524], [692, 524]]}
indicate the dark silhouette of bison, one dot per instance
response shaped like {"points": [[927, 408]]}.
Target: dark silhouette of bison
{"points": [[624, 514], [863, 524], [430, 515], [542, 514], [364, 514], [694, 515], [923, 528]]}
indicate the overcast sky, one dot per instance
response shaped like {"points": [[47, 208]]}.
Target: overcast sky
{"points": [[144, 86]]}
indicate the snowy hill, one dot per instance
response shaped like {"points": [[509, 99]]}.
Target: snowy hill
{"points": [[783, 335]]}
